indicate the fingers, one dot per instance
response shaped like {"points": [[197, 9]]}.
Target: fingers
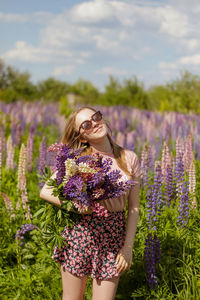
{"points": [[122, 264]]}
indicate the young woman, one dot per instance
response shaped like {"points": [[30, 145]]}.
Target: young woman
{"points": [[99, 246]]}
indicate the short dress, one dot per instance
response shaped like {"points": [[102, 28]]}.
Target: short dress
{"points": [[94, 242]]}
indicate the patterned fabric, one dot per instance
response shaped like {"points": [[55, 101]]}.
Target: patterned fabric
{"points": [[93, 245]]}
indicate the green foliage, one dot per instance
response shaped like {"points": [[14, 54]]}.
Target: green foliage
{"points": [[86, 90], [181, 95], [64, 107], [52, 89], [15, 85], [131, 93]]}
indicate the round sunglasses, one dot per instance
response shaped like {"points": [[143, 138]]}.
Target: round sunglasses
{"points": [[87, 124]]}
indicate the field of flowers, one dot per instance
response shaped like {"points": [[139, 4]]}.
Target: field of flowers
{"points": [[166, 254]]}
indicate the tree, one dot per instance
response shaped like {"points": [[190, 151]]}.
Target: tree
{"points": [[88, 92], [15, 85], [52, 89]]}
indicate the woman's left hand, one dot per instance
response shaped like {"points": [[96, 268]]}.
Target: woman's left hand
{"points": [[124, 259]]}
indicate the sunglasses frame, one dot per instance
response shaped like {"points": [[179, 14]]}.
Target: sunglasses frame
{"points": [[90, 121]]}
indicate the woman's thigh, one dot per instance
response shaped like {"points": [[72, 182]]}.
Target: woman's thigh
{"points": [[104, 289], [73, 286]]}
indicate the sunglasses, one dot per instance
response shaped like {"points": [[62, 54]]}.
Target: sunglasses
{"points": [[87, 124]]}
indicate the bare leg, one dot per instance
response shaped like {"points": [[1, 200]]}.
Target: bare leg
{"points": [[104, 289], [73, 286]]}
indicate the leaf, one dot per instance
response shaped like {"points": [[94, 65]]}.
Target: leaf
{"points": [[40, 211]]}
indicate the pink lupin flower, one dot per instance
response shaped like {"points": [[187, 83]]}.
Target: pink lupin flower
{"points": [[8, 204], [24, 198], [192, 184], [188, 154], [179, 146], [10, 154], [21, 182], [165, 160], [56, 147], [21, 166]]}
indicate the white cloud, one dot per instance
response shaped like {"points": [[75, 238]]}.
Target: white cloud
{"points": [[173, 22], [63, 70], [37, 17], [14, 18], [25, 52], [170, 66], [190, 60], [91, 11], [112, 71]]}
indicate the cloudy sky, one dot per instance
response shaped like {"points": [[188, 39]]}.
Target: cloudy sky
{"points": [[92, 39]]}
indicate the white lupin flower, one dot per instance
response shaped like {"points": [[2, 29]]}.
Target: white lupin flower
{"points": [[70, 169], [83, 167]]}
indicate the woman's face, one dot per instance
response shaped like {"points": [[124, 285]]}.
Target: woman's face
{"points": [[98, 129]]}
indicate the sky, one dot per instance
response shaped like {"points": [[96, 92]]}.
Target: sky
{"points": [[93, 39]]}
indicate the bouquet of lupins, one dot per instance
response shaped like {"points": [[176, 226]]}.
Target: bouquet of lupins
{"points": [[83, 180]]}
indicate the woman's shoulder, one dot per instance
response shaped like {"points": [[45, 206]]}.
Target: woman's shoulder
{"points": [[130, 154], [133, 161]]}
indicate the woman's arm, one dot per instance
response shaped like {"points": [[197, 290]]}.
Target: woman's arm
{"points": [[46, 193], [125, 256], [133, 214]]}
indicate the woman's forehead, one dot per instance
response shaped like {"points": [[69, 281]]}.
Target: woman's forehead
{"points": [[83, 115]]}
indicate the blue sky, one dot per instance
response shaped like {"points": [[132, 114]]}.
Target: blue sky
{"points": [[153, 40]]}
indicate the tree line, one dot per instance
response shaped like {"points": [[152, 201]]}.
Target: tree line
{"points": [[181, 94]]}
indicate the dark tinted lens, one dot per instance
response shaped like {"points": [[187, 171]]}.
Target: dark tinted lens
{"points": [[86, 125], [97, 116]]}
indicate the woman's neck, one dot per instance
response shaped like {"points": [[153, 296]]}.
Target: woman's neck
{"points": [[104, 147]]}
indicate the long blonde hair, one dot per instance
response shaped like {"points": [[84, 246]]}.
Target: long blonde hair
{"points": [[71, 138]]}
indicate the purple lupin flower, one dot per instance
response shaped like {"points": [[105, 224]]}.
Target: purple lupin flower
{"points": [[63, 155], [144, 167], [156, 195], [152, 257], [3, 141], [13, 129], [0, 159], [42, 162], [188, 156], [184, 205], [152, 245], [29, 152], [150, 158], [168, 186], [18, 134], [166, 160], [179, 173], [21, 232]]}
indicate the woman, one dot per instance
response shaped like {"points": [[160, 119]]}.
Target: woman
{"points": [[99, 246]]}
